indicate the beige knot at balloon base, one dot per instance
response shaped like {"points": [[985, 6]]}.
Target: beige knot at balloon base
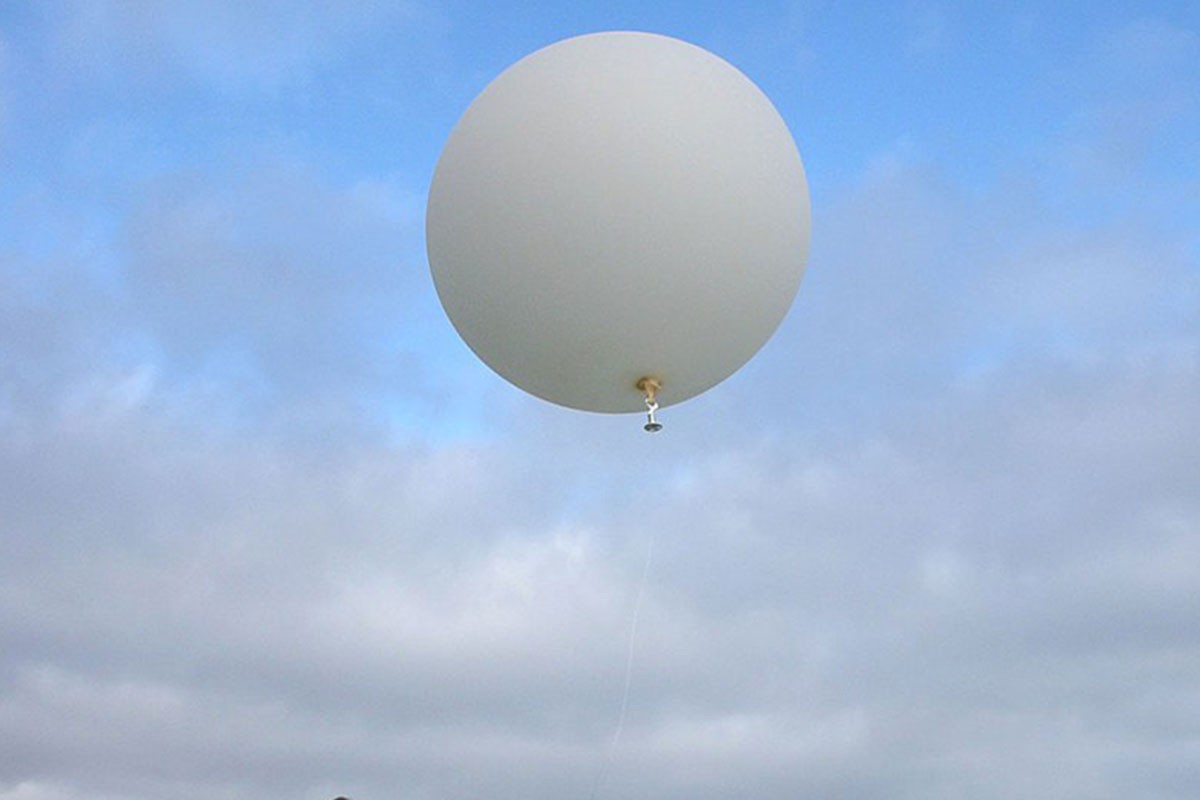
{"points": [[649, 386]]}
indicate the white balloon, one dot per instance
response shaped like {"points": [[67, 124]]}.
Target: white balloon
{"points": [[613, 207]]}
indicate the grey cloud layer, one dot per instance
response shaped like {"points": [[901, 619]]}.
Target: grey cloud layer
{"points": [[985, 607]]}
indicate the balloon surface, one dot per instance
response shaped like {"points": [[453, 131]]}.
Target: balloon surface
{"points": [[618, 206]]}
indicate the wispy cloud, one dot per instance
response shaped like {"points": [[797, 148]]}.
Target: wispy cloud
{"points": [[232, 45]]}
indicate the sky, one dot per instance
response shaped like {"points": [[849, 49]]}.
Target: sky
{"points": [[268, 529]]}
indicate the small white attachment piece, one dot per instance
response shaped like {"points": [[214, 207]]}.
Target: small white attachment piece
{"points": [[650, 387]]}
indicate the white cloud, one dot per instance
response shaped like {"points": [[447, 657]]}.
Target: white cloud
{"points": [[261, 45], [268, 276], [1135, 83], [225, 607]]}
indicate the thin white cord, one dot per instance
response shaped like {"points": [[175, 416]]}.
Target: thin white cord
{"points": [[633, 626]]}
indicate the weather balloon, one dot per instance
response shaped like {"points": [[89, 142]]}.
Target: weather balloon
{"points": [[616, 215]]}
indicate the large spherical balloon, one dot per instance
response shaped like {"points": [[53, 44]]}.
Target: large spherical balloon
{"points": [[614, 207]]}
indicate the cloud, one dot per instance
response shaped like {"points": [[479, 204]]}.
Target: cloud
{"points": [[263, 289], [1137, 81], [951, 283], [911, 612], [271, 278], [231, 45]]}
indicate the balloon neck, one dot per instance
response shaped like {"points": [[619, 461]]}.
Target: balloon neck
{"points": [[649, 387]]}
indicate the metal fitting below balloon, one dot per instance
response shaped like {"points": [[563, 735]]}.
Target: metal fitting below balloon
{"points": [[649, 387]]}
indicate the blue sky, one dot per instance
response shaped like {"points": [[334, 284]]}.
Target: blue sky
{"points": [[268, 528]]}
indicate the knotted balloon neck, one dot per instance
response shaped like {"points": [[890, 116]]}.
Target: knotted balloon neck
{"points": [[649, 387]]}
